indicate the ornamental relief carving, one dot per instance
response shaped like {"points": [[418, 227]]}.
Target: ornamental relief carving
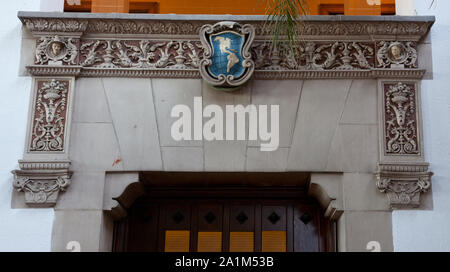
{"points": [[174, 49], [42, 181], [400, 119], [403, 183], [142, 54], [187, 54], [404, 193], [396, 55], [50, 114], [56, 51], [315, 56], [41, 191]]}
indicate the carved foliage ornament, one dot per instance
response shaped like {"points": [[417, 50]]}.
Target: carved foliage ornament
{"points": [[50, 114], [315, 56], [400, 119], [227, 62], [56, 51], [143, 54]]}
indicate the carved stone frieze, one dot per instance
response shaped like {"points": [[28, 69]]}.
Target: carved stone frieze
{"points": [[401, 135], [179, 58], [56, 51], [403, 183], [42, 181], [55, 24], [143, 54], [396, 55], [315, 56]]}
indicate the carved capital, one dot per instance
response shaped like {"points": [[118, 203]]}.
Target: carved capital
{"points": [[403, 183], [42, 181]]}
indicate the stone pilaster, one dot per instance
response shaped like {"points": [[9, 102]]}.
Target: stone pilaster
{"points": [[401, 173]]}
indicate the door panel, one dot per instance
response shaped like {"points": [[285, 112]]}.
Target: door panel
{"points": [[224, 224]]}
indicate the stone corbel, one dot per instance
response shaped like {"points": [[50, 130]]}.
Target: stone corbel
{"points": [[42, 181], [401, 173], [403, 183], [44, 170], [326, 189]]}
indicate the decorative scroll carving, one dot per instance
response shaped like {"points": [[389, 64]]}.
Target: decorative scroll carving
{"points": [[55, 24], [56, 51], [396, 55], [42, 181], [403, 183], [315, 56], [400, 119], [143, 54], [50, 114]]}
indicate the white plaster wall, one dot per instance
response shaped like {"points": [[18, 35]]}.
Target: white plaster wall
{"points": [[20, 229], [430, 230]]}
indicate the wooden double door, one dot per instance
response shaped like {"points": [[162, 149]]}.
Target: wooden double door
{"points": [[188, 221]]}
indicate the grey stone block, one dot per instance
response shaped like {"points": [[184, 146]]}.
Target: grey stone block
{"points": [[182, 158], [263, 161], [365, 227], [90, 102], [354, 148], [82, 226], [321, 106], [167, 94], [84, 192], [94, 147], [133, 114], [286, 94], [361, 104]]}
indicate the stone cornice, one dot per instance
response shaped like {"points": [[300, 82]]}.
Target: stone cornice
{"points": [[411, 28], [168, 46]]}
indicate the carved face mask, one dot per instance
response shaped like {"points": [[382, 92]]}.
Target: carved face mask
{"points": [[56, 48]]}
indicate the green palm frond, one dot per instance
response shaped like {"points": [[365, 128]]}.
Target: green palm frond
{"points": [[283, 21]]}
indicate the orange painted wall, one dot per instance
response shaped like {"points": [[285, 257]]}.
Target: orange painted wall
{"points": [[236, 7]]}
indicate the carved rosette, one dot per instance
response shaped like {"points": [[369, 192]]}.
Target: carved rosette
{"points": [[42, 181], [400, 119], [49, 116], [403, 183], [396, 55]]}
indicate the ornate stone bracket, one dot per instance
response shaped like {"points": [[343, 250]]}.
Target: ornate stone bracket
{"points": [[42, 181], [403, 183]]}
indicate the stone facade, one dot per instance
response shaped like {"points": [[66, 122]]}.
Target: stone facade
{"points": [[100, 108]]}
